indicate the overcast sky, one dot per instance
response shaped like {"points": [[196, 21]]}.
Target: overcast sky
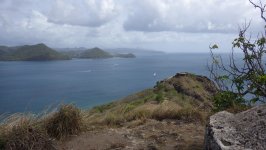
{"points": [[167, 25]]}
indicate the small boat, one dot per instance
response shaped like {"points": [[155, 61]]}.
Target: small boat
{"points": [[154, 74]]}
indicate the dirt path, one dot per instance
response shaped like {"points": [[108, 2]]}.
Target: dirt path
{"points": [[152, 135]]}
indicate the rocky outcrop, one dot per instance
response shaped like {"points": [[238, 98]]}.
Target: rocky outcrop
{"points": [[196, 87], [245, 130]]}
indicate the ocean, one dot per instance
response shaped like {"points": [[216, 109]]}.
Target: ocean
{"points": [[34, 86]]}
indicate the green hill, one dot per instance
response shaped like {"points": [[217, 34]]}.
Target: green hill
{"points": [[95, 53], [30, 53]]}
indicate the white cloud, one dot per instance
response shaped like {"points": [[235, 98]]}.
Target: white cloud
{"points": [[208, 16], [169, 25], [82, 12]]}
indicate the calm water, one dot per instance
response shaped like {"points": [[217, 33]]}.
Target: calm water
{"points": [[32, 86]]}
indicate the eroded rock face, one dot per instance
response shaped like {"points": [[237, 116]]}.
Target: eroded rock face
{"points": [[245, 130]]}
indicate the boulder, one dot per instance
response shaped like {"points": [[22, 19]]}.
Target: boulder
{"points": [[245, 130]]}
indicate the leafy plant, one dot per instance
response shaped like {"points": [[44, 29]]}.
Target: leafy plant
{"points": [[241, 82]]}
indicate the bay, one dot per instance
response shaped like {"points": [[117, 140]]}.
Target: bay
{"points": [[32, 86]]}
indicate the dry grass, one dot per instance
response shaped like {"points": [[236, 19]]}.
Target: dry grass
{"points": [[171, 110], [28, 131], [113, 119], [124, 113], [3, 137], [67, 121], [22, 133], [238, 108], [182, 98]]}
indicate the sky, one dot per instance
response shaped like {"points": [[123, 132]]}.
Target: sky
{"points": [[165, 25]]}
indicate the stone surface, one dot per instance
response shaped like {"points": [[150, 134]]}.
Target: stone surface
{"points": [[245, 130]]}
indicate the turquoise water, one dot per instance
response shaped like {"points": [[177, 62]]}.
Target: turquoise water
{"points": [[35, 85]]}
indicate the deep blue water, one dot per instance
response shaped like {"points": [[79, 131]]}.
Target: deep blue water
{"points": [[35, 85]]}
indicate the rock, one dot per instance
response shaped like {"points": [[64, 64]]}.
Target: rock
{"points": [[245, 130]]}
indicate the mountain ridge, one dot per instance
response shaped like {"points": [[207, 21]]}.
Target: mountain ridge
{"points": [[37, 52]]}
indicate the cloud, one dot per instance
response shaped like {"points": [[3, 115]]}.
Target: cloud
{"points": [[191, 16], [91, 13], [167, 25]]}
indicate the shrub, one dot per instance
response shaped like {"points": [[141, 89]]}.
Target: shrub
{"points": [[67, 121], [241, 77], [227, 100], [159, 97], [25, 136]]}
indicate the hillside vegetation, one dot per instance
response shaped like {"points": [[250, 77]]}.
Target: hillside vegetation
{"points": [[184, 96], [30, 53], [170, 115], [41, 52], [95, 53]]}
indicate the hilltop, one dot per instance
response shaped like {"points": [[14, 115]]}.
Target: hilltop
{"points": [[95, 53], [30, 53], [171, 115]]}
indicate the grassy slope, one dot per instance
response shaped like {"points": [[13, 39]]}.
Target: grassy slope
{"points": [[180, 97], [184, 97]]}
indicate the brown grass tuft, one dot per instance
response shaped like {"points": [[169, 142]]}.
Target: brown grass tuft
{"points": [[174, 111], [66, 122], [3, 136], [24, 136], [113, 119]]}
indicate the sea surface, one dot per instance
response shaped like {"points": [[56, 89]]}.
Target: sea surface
{"points": [[34, 86]]}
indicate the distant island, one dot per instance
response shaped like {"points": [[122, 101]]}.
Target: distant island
{"points": [[41, 52], [96, 53], [38, 52], [129, 55]]}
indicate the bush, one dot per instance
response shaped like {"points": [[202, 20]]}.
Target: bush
{"points": [[65, 122], [227, 100], [25, 136], [244, 77], [159, 97]]}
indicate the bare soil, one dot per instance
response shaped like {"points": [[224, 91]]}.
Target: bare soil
{"points": [[136, 135]]}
